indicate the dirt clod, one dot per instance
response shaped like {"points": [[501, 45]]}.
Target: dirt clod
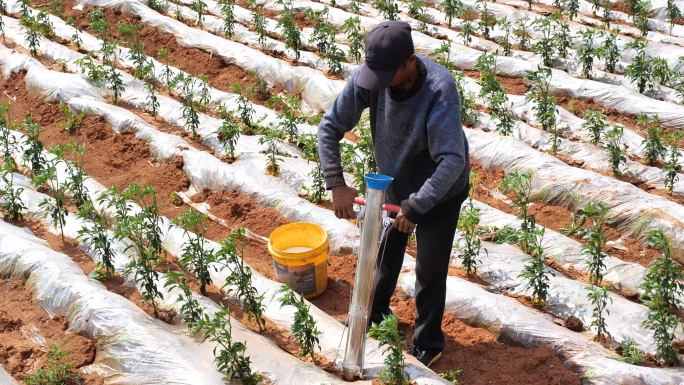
{"points": [[575, 324]]}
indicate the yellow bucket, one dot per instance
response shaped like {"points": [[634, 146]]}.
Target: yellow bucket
{"points": [[306, 269]]}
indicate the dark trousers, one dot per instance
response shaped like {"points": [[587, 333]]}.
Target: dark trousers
{"points": [[435, 236]]}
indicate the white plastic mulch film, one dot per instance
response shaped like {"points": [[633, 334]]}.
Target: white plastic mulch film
{"points": [[132, 347], [276, 364], [5, 378], [317, 90], [245, 175], [553, 182], [532, 338], [568, 253], [614, 96], [501, 266], [530, 328]]}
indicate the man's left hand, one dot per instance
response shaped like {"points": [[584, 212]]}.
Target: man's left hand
{"points": [[402, 224]]}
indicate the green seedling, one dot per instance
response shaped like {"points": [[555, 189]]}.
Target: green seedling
{"points": [[201, 8], [640, 71], [596, 241], [572, 7], [451, 8], [596, 123], [599, 299], [630, 353], [545, 45], [609, 50], [521, 32], [58, 371], [33, 153], [468, 223], [663, 287], [304, 326], [226, 7], [616, 150], [467, 29], [271, 139], [291, 35], [506, 41], [229, 133], [387, 8], [452, 375], [652, 144], [239, 281], [310, 152], [545, 104], [95, 235], [289, 118], [535, 271], [672, 168], [10, 197], [387, 334], [54, 208], [587, 52], [196, 257], [356, 37]]}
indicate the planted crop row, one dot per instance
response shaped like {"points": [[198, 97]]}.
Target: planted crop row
{"points": [[539, 107], [464, 58], [203, 169], [554, 47], [623, 101], [508, 269], [188, 247], [91, 310]]}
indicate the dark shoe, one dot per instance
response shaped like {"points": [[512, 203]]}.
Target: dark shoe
{"points": [[426, 357]]}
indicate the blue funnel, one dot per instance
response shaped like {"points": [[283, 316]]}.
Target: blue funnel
{"points": [[378, 181]]}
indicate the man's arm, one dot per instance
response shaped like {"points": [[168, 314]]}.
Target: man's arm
{"points": [[447, 145], [342, 117]]}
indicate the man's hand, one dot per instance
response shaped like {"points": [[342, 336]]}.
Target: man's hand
{"points": [[343, 201], [402, 224]]}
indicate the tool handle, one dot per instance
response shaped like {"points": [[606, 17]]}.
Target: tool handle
{"points": [[385, 206]]}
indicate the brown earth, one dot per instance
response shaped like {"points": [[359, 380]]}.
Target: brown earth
{"points": [[579, 106], [241, 211], [113, 159], [21, 356], [222, 75], [537, 360], [575, 324], [485, 360], [556, 217], [513, 86]]}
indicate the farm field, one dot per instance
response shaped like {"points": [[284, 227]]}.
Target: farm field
{"points": [[148, 148]]}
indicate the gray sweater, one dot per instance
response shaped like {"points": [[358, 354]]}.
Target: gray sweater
{"points": [[417, 138]]}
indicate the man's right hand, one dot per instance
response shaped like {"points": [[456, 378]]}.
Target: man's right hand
{"points": [[343, 201]]}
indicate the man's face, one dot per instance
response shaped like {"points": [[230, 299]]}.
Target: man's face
{"points": [[404, 71]]}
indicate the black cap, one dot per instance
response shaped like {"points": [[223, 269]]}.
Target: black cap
{"points": [[388, 46]]}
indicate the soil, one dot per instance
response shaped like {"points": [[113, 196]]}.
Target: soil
{"points": [[580, 106], [222, 75], [620, 6], [107, 165], [513, 86], [19, 355], [485, 360], [113, 159], [556, 217], [269, 13], [575, 324], [241, 211]]}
